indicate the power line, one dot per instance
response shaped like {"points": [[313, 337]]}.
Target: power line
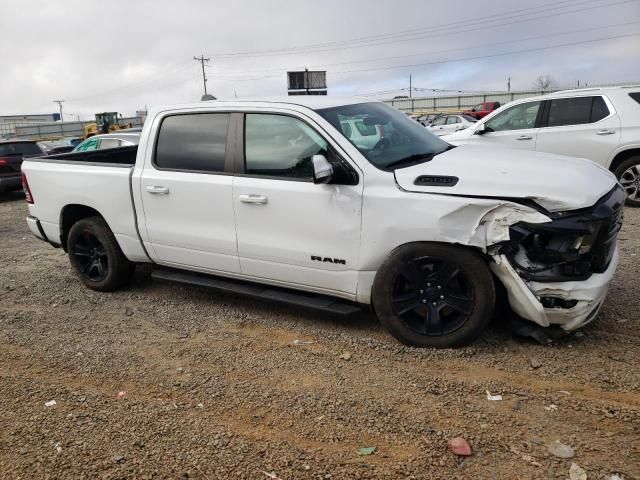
{"points": [[478, 57], [489, 56], [201, 59], [144, 83], [395, 57], [435, 30]]}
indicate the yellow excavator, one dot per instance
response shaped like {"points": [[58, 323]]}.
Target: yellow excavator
{"points": [[106, 122]]}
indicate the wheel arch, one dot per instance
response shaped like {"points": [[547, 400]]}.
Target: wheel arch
{"points": [[71, 214], [622, 156], [476, 250]]}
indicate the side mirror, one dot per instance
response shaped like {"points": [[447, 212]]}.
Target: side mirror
{"points": [[480, 130], [322, 169]]}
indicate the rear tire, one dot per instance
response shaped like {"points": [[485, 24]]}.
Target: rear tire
{"points": [[434, 295], [628, 174], [96, 256]]}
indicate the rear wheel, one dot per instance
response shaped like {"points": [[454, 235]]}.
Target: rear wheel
{"points": [[96, 256], [628, 174], [432, 295]]}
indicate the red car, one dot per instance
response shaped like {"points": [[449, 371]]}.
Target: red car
{"points": [[482, 109]]}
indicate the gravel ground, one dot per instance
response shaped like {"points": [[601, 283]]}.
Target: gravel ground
{"points": [[216, 389]]}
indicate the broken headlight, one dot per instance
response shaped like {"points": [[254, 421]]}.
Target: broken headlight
{"points": [[554, 251]]}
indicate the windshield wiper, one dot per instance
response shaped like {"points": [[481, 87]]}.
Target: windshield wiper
{"points": [[411, 158]]}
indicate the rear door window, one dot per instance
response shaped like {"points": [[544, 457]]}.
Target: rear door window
{"points": [[453, 120], [576, 111], [193, 142]]}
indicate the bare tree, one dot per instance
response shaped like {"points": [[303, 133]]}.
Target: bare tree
{"points": [[544, 83]]}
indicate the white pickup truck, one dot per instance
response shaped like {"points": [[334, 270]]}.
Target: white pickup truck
{"points": [[272, 198]]}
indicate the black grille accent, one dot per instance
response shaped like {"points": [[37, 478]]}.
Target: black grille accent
{"points": [[610, 211], [436, 181]]}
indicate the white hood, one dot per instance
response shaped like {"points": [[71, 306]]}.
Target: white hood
{"points": [[555, 182]]}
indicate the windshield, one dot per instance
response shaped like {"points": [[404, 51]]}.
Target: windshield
{"points": [[385, 136]]}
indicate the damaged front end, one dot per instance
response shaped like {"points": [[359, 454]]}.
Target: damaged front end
{"points": [[558, 272]]}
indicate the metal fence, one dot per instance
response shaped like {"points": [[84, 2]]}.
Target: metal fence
{"points": [[456, 103], [52, 130]]}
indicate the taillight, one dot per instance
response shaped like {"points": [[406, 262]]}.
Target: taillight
{"points": [[3, 162], [27, 190]]}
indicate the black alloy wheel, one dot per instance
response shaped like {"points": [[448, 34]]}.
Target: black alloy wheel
{"points": [[96, 256], [90, 257], [432, 296]]}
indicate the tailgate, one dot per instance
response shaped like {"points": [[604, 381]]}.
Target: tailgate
{"points": [[10, 164]]}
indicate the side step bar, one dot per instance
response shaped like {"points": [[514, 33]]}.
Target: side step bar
{"points": [[274, 294]]}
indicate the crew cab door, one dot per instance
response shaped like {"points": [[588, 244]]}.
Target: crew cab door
{"points": [[291, 230], [585, 127], [186, 191], [515, 127]]}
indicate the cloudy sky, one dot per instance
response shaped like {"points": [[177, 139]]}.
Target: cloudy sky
{"points": [[122, 55]]}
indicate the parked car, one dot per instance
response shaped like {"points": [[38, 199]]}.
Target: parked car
{"points": [[447, 124], [12, 153], [274, 199], [121, 138], [56, 146], [428, 118], [599, 124], [482, 110], [361, 134]]}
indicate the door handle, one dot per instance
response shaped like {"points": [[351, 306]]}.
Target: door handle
{"points": [[605, 132], [157, 190], [251, 198], [524, 137]]}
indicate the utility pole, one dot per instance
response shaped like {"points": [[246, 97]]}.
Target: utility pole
{"points": [[509, 85], [59, 102], [306, 79], [201, 59], [410, 88]]}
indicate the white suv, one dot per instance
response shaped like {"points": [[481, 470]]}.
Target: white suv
{"points": [[599, 124]]}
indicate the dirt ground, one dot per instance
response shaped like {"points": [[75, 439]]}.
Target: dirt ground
{"points": [[217, 389]]}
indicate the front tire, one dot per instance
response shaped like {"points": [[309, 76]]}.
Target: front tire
{"points": [[628, 174], [434, 295], [96, 256]]}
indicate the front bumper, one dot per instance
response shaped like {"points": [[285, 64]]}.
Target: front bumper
{"points": [[13, 182], [585, 296]]}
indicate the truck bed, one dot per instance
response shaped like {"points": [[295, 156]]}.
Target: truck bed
{"points": [[121, 157], [99, 180]]}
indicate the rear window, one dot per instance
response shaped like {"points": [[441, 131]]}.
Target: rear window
{"points": [[193, 142], [469, 119], [20, 148], [576, 111]]}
